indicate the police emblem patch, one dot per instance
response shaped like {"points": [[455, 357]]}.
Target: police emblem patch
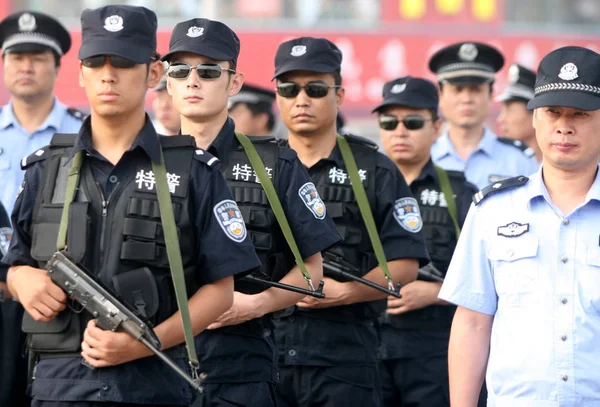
{"points": [[194, 32], [298, 50], [5, 236], [27, 22], [398, 88], [408, 215], [309, 195], [513, 74], [230, 218], [568, 72], [468, 52], [113, 23]]}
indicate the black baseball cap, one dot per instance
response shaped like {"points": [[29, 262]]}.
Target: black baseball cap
{"points": [[252, 94], [417, 93], [202, 36], [466, 63], [569, 77], [307, 54], [125, 31], [521, 82], [31, 31]]}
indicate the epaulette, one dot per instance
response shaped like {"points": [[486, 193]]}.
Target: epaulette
{"points": [[528, 151], [78, 114], [361, 140], [499, 186], [205, 157], [38, 155]]}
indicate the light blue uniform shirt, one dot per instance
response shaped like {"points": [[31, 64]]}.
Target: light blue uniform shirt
{"points": [[16, 143], [491, 161], [542, 284]]}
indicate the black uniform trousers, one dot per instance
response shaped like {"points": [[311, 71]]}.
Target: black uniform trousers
{"points": [[13, 365], [41, 403], [250, 394]]}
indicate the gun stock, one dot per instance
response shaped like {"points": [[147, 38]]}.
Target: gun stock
{"points": [[110, 313]]}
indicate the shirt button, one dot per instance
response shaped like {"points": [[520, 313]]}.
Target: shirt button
{"points": [[104, 387], [564, 259], [565, 378], [1, 150], [565, 221], [563, 338], [292, 319], [113, 179], [292, 352], [564, 300]]}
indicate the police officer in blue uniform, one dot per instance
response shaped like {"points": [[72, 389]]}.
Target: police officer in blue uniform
{"points": [[525, 274], [329, 348], [32, 46], [244, 333], [514, 120], [122, 242], [465, 73], [416, 328], [252, 110]]}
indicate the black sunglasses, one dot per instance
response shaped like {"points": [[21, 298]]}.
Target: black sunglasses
{"points": [[312, 89], [115, 60], [205, 71], [411, 122]]}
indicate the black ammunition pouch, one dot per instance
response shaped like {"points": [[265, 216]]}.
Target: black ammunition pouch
{"points": [[61, 335]]}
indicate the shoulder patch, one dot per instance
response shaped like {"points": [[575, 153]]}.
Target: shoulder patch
{"points": [[5, 236], [362, 141], [499, 186], [528, 151], [78, 114], [205, 157], [38, 155]]}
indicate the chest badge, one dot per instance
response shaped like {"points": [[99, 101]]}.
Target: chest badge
{"points": [[230, 219], [513, 229]]}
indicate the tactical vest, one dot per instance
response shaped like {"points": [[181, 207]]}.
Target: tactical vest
{"points": [[335, 190], [119, 238], [440, 236]]}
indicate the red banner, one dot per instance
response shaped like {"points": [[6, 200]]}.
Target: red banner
{"points": [[369, 60]]}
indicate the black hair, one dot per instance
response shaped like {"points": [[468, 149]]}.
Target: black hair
{"points": [[337, 78], [263, 108]]}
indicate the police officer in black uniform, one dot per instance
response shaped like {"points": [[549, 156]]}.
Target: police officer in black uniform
{"points": [[329, 348], [416, 328], [244, 333], [252, 110], [514, 120], [12, 363], [118, 233]]}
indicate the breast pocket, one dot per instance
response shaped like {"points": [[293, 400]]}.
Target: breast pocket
{"points": [[588, 282], [516, 270]]}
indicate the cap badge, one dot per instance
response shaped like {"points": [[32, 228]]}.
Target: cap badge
{"points": [[27, 22], [398, 88], [568, 72], [113, 23], [513, 74], [468, 52], [298, 50], [194, 32]]}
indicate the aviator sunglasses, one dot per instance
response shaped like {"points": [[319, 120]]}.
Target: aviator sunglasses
{"points": [[411, 122], [115, 60], [312, 89], [205, 71]]}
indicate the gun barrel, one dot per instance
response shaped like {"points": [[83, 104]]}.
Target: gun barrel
{"points": [[337, 270], [316, 294]]}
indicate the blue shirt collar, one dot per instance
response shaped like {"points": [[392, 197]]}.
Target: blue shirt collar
{"points": [[536, 188], [54, 119], [147, 139], [445, 147]]}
